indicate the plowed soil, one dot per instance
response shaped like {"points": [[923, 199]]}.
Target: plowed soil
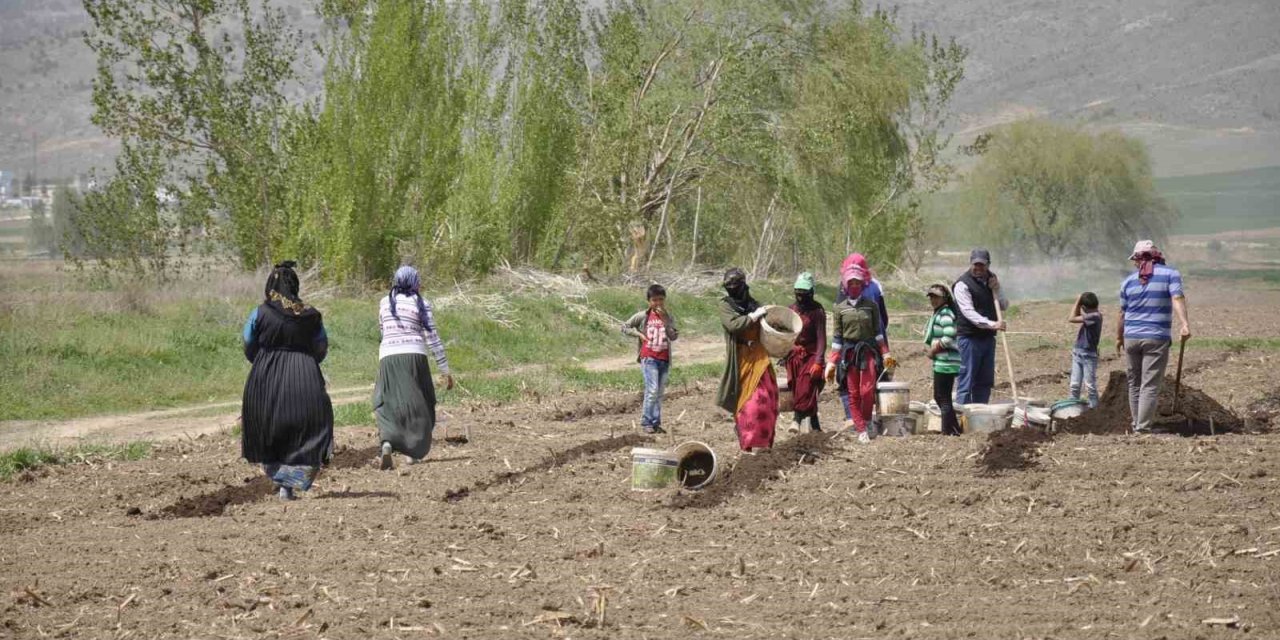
{"points": [[531, 530]]}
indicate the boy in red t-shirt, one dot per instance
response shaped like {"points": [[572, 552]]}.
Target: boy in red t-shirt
{"points": [[655, 328]]}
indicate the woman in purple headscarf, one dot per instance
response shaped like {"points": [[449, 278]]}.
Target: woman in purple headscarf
{"points": [[404, 399]]}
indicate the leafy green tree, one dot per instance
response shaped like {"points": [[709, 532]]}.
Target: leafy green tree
{"points": [[194, 89], [1058, 191]]}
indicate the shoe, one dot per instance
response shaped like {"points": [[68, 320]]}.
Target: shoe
{"points": [[864, 438], [412, 460], [286, 493], [654, 430], [386, 462], [794, 428]]}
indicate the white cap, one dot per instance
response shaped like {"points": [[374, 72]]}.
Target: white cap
{"points": [[1143, 246]]}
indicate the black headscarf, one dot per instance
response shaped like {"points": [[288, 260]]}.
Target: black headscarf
{"points": [[281, 290], [735, 284]]}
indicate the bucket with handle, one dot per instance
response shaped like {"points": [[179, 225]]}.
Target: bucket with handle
{"points": [[652, 469], [895, 398], [696, 465], [986, 418], [898, 426]]}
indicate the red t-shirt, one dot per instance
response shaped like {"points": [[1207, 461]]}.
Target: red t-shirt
{"points": [[656, 345]]}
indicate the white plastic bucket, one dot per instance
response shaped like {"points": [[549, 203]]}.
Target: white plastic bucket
{"points": [[697, 465], [778, 343], [986, 418], [895, 398], [1030, 417], [652, 469], [897, 426], [1066, 409]]}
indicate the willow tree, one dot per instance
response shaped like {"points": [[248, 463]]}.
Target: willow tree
{"points": [[1053, 190], [750, 132]]}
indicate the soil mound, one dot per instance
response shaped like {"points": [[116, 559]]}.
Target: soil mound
{"points": [[352, 458], [1196, 414], [216, 503], [752, 472], [1012, 450]]}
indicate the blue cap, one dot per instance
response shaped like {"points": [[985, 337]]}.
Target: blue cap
{"points": [[979, 255]]}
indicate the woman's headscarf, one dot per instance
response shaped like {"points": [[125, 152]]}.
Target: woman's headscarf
{"points": [[853, 271], [282, 289], [735, 284], [804, 291], [407, 283]]}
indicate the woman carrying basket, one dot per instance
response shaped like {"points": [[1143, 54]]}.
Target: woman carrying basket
{"points": [[748, 388]]}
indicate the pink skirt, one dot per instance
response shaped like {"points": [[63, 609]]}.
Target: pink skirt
{"points": [[755, 422]]}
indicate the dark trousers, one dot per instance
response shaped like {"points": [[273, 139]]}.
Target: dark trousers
{"points": [[977, 369], [943, 383]]}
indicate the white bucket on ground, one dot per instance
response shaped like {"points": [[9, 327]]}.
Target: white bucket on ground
{"points": [[697, 465], [986, 418], [779, 343], [932, 418], [652, 469], [898, 426], [895, 398], [1065, 409]]}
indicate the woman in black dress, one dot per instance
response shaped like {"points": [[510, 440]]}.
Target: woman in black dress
{"points": [[287, 415]]}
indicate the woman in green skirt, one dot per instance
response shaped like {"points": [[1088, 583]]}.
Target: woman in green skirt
{"points": [[404, 400]]}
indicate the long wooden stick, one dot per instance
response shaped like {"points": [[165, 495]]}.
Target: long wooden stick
{"points": [[1008, 360], [1177, 385]]}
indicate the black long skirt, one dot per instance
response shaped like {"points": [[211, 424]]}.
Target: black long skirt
{"points": [[287, 415], [404, 402]]}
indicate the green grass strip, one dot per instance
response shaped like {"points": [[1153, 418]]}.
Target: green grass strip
{"points": [[29, 458]]}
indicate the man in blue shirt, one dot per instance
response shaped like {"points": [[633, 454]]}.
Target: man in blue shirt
{"points": [[1149, 298]]}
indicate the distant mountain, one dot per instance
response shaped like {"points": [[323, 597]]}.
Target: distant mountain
{"points": [[1198, 79]]}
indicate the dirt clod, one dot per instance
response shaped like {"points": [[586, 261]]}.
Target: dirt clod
{"points": [[1012, 450], [353, 458], [215, 503]]}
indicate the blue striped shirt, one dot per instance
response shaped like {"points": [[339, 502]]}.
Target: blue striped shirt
{"points": [[1148, 310]]}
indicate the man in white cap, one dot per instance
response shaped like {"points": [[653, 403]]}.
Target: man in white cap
{"points": [[1149, 298], [976, 294]]}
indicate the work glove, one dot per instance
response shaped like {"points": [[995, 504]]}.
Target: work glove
{"points": [[758, 313], [830, 374], [890, 362], [815, 370]]}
